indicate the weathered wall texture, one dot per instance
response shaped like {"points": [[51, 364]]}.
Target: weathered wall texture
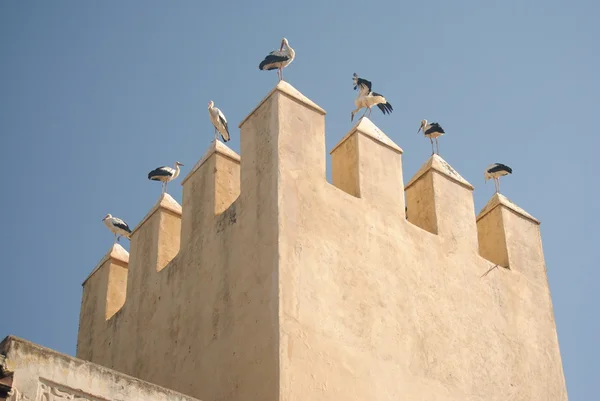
{"points": [[35, 373], [287, 287]]}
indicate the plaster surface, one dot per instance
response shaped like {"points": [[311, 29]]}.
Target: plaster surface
{"points": [[276, 285]]}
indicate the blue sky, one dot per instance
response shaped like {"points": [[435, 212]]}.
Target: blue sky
{"points": [[95, 94]]}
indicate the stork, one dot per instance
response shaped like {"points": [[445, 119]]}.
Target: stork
{"points": [[219, 121], [164, 174], [278, 59], [367, 98], [496, 171], [117, 227], [432, 131]]}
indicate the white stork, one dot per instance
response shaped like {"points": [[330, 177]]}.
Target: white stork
{"points": [[164, 174], [432, 131], [117, 227], [367, 98], [278, 59], [219, 121], [496, 171]]}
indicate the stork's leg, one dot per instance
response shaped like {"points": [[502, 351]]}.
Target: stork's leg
{"points": [[498, 184], [437, 146], [370, 110], [432, 151], [281, 70], [165, 191], [115, 239]]}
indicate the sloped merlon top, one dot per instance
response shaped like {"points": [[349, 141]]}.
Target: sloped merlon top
{"points": [[117, 253], [290, 91], [165, 201], [216, 146], [440, 165], [367, 128], [501, 200]]}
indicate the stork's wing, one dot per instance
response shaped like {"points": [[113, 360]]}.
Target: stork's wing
{"points": [[273, 57], [499, 167], [121, 224], [385, 108], [437, 127], [163, 171], [363, 85], [222, 117], [224, 122], [225, 137]]}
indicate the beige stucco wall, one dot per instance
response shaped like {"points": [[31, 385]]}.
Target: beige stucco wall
{"points": [[287, 287], [36, 373]]}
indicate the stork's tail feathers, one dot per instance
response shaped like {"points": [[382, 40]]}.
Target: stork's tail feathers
{"points": [[385, 107]]}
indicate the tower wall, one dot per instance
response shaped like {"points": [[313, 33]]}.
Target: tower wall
{"points": [[288, 287]]}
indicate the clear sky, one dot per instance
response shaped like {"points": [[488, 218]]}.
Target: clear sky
{"points": [[94, 95]]}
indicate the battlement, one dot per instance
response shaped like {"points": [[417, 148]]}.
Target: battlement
{"points": [[268, 274]]}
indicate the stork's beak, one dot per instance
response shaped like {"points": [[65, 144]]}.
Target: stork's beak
{"points": [[281, 47], [351, 117], [419, 130]]}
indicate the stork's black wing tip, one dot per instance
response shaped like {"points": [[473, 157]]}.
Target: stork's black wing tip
{"points": [[386, 108]]}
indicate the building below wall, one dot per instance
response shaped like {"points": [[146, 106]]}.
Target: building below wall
{"points": [[29, 372]]}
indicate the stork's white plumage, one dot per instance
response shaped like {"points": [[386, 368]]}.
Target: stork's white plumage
{"points": [[495, 171], [117, 226], [165, 174], [432, 131], [367, 98], [219, 121], [278, 59]]}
